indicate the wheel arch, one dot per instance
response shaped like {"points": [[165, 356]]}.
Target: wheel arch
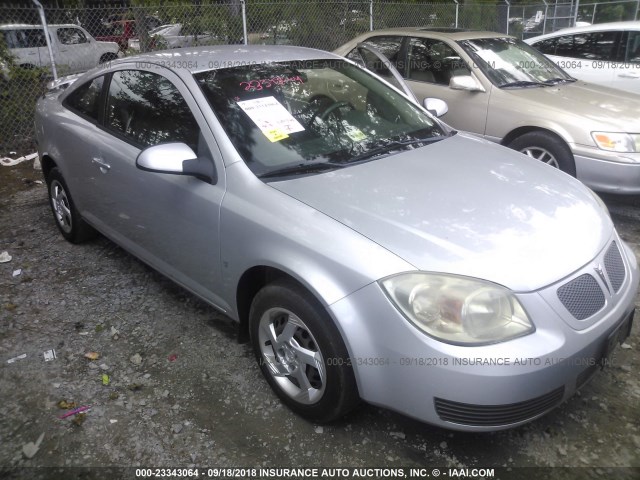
{"points": [[250, 283], [48, 163], [107, 57], [519, 131]]}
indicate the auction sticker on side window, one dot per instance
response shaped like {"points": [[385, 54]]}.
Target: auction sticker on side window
{"points": [[275, 122]]}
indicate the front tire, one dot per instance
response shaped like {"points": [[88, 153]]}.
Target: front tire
{"points": [[547, 148], [301, 353], [68, 220]]}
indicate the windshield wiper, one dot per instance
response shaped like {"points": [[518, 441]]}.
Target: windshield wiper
{"points": [[390, 147], [555, 81], [523, 83], [301, 168]]}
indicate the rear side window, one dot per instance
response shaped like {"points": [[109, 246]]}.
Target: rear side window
{"points": [[590, 46], [147, 109], [25, 38], [86, 99], [388, 46]]}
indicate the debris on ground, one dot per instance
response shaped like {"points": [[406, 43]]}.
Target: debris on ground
{"points": [[66, 405], [30, 449], [75, 411], [136, 359], [10, 162], [49, 355], [19, 357]]}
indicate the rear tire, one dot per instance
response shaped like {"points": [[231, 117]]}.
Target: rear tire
{"points": [[301, 353], [547, 148], [68, 220]]}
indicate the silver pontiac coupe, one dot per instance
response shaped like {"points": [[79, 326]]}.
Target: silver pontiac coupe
{"points": [[368, 251]]}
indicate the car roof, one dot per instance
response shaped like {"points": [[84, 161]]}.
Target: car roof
{"points": [[438, 32], [199, 59], [596, 27]]}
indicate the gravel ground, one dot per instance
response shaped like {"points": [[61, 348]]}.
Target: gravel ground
{"points": [[171, 387]]}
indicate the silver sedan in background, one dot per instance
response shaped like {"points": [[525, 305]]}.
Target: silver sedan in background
{"points": [[501, 89], [368, 251]]}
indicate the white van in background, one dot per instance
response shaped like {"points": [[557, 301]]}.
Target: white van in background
{"points": [[74, 49]]}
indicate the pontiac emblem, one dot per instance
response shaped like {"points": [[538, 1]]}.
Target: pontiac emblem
{"points": [[600, 272]]}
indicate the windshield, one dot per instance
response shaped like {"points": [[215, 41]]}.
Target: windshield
{"points": [[307, 117], [508, 62]]}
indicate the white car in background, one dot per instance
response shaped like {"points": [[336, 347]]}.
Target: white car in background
{"points": [[605, 53], [74, 49], [171, 36]]}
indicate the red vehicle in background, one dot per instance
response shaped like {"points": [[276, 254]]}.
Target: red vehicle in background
{"points": [[120, 32]]}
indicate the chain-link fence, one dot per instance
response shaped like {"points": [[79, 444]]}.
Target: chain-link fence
{"points": [[25, 60]]}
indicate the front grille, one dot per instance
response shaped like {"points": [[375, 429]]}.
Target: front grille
{"points": [[615, 267], [494, 415], [582, 297]]}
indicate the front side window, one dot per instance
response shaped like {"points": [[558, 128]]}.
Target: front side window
{"points": [[299, 117], [548, 46], [510, 63], [71, 36], [147, 109], [434, 61], [85, 100]]}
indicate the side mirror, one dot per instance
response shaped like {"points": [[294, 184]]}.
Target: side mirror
{"points": [[435, 106], [465, 82], [177, 159]]}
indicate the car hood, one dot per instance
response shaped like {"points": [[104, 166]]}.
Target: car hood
{"points": [[468, 207], [596, 106]]}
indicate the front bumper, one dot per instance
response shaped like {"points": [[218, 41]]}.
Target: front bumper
{"points": [[480, 388], [605, 172]]}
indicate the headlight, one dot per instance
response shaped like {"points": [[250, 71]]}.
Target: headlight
{"points": [[458, 310], [617, 142]]}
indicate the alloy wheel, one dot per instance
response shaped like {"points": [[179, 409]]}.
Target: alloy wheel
{"points": [[292, 355]]}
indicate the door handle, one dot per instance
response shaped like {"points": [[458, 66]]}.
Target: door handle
{"points": [[104, 167], [629, 75]]}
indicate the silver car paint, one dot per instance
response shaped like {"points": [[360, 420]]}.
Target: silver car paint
{"points": [[534, 361], [547, 228], [298, 227]]}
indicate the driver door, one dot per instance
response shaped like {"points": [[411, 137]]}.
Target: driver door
{"points": [[170, 221], [431, 64]]}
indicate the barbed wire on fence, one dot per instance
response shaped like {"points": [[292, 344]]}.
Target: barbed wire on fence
{"points": [[25, 65]]}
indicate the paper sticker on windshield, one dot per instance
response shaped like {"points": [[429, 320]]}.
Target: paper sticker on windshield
{"points": [[355, 134], [275, 135], [270, 116]]}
